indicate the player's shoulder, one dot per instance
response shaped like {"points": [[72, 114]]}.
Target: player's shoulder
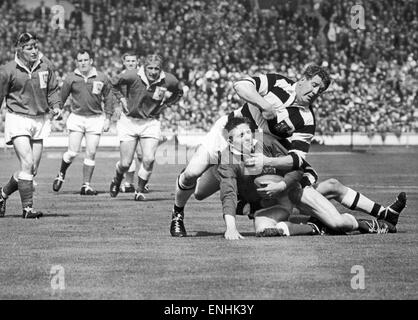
{"points": [[170, 78], [279, 78], [48, 63], [101, 75]]}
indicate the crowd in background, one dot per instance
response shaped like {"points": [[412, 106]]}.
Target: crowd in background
{"points": [[210, 44]]}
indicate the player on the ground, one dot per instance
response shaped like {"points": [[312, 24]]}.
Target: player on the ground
{"points": [[30, 87], [234, 176], [238, 181], [89, 88], [149, 91], [275, 104]]}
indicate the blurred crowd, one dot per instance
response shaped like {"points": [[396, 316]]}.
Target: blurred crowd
{"points": [[210, 44]]}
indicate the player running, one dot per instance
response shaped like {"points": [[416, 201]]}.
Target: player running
{"points": [[89, 88], [31, 90], [149, 91]]}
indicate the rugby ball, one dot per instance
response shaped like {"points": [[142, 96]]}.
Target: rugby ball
{"points": [[264, 180]]}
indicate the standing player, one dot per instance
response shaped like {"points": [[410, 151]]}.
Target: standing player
{"points": [[31, 89], [149, 90], [88, 88], [275, 104], [130, 62]]}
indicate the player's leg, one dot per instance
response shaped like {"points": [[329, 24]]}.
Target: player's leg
{"points": [[149, 148], [92, 142], [127, 151], [128, 186], [351, 199], [185, 187], [310, 200], [74, 143], [205, 156], [273, 220], [207, 184], [23, 149]]}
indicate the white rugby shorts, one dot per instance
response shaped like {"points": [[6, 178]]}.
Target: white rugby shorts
{"points": [[130, 128], [93, 124], [35, 127]]}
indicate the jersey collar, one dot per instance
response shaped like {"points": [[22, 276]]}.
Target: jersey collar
{"points": [[35, 65], [92, 73], [141, 74]]}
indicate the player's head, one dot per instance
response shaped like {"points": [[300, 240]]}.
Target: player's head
{"points": [[239, 134], [27, 47], [84, 60], [153, 67], [130, 60], [314, 82]]}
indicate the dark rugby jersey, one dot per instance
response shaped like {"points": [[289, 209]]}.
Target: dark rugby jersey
{"points": [[29, 92], [293, 124], [88, 92], [236, 179], [146, 100]]}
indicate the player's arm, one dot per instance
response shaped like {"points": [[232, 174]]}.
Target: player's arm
{"points": [[251, 90], [116, 83], [4, 84], [228, 194], [275, 188], [54, 98], [173, 94], [108, 103]]}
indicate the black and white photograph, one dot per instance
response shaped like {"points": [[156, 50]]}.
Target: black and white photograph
{"points": [[209, 154]]}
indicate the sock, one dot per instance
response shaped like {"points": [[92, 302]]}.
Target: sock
{"points": [[9, 188], [295, 229], [64, 166], [183, 192], [141, 184], [178, 209], [25, 185], [119, 174], [356, 201], [88, 168], [143, 177]]}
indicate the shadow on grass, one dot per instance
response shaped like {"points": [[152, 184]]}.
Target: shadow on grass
{"points": [[214, 234], [45, 215]]}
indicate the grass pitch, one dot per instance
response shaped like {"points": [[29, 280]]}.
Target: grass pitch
{"points": [[116, 248]]}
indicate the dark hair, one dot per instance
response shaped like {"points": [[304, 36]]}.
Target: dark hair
{"points": [[83, 51], [313, 70], [234, 122], [24, 38]]}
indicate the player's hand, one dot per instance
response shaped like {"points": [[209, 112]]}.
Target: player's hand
{"points": [[106, 125], [56, 114], [233, 234], [272, 189]]}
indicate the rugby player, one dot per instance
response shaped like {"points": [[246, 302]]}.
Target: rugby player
{"points": [[237, 181], [88, 88], [30, 87], [274, 104], [149, 91], [271, 217], [130, 62]]}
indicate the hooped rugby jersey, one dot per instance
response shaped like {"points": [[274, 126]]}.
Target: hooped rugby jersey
{"points": [[292, 123]]}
